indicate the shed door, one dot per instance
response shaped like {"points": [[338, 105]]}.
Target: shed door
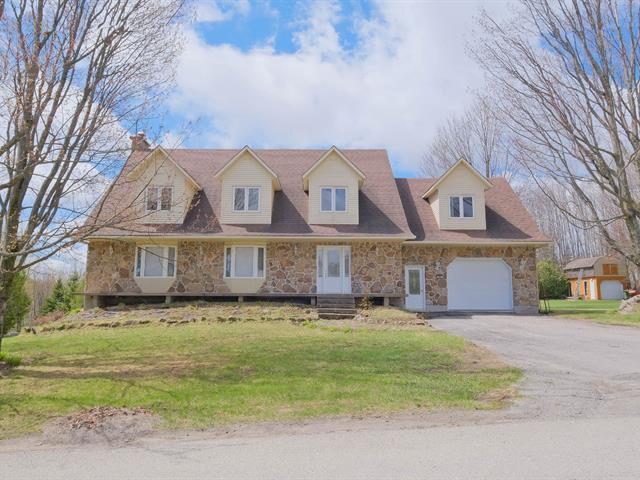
{"points": [[478, 284], [611, 290]]}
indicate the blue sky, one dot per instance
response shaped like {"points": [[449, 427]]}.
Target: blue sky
{"points": [[317, 73]]}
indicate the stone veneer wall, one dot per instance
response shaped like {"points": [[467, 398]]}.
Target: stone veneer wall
{"points": [[376, 267], [522, 261], [110, 267]]}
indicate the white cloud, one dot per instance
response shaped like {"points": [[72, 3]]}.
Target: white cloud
{"points": [[211, 11], [407, 73]]}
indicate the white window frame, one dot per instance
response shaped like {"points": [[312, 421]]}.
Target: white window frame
{"points": [[255, 261], [246, 199], [159, 189], [141, 249], [461, 206], [333, 199]]}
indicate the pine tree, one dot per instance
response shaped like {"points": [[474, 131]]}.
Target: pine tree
{"points": [[58, 300], [17, 304], [73, 286]]}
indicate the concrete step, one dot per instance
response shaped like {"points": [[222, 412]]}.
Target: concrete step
{"points": [[350, 301]]}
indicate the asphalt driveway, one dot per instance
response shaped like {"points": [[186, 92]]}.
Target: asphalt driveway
{"points": [[572, 368]]}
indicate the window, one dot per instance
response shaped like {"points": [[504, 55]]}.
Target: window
{"points": [[155, 261], [609, 269], [461, 207], [244, 262], [246, 199], [159, 198], [333, 199]]}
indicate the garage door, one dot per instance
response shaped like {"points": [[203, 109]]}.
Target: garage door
{"points": [[479, 284], [611, 290]]}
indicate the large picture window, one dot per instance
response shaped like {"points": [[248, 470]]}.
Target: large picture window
{"points": [[244, 262], [246, 199], [461, 207], [333, 199], [159, 198], [155, 261]]}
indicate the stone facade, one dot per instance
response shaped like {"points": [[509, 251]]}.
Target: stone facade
{"points": [[377, 268], [436, 259], [110, 267]]}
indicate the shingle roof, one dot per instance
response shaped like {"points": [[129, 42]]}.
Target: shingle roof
{"points": [[587, 262], [381, 211], [507, 219]]}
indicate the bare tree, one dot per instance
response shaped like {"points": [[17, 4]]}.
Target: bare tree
{"points": [[75, 75], [567, 75], [477, 136]]}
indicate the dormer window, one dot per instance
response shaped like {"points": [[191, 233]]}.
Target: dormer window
{"points": [[333, 199], [246, 199], [461, 207], [159, 198]]}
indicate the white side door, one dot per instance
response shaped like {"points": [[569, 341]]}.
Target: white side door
{"points": [[415, 298], [333, 269]]}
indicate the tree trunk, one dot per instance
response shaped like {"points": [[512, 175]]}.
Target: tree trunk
{"points": [[3, 304]]}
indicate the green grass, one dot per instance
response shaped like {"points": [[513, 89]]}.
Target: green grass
{"points": [[10, 360], [206, 374], [601, 311]]}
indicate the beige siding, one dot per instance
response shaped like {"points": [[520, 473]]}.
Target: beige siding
{"points": [[161, 172], [333, 172], [434, 201], [246, 171], [462, 181]]}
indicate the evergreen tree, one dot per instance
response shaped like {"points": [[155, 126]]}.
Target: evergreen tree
{"points": [[58, 300], [73, 286], [18, 304]]}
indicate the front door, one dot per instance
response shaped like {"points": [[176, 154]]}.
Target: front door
{"points": [[414, 288], [334, 269]]}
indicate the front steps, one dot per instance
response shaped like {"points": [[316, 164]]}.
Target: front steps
{"points": [[335, 307]]}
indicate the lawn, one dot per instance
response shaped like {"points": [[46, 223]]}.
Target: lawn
{"points": [[601, 311], [211, 372]]}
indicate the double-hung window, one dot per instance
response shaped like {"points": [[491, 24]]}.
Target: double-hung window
{"points": [[333, 199], [155, 261], [246, 199], [461, 206], [159, 198], [244, 262]]}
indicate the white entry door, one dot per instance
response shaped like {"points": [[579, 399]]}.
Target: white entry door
{"points": [[334, 269], [415, 298]]}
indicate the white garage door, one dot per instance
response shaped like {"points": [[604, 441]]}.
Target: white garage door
{"points": [[611, 290], [479, 284]]}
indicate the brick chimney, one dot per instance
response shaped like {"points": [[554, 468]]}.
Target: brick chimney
{"points": [[139, 142]]}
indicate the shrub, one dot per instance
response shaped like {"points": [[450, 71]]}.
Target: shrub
{"points": [[551, 280]]}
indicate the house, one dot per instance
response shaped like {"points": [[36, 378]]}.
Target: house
{"points": [[309, 223], [597, 278]]}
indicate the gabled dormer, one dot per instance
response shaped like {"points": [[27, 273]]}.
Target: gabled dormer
{"points": [[333, 183], [457, 198], [164, 190], [247, 188]]}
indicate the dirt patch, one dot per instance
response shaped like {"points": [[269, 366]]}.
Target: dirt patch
{"points": [[101, 425]]}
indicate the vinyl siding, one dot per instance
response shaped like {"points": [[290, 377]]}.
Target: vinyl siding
{"points": [[434, 201], [162, 172], [333, 172], [246, 172], [462, 182]]}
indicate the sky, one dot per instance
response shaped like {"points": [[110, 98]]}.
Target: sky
{"points": [[293, 74], [355, 74]]}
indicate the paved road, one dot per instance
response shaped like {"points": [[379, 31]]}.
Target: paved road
{"points": [[580, 419]]}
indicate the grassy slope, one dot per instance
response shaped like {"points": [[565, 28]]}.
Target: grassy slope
{"points": [[204, 374], [601, 311]]}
